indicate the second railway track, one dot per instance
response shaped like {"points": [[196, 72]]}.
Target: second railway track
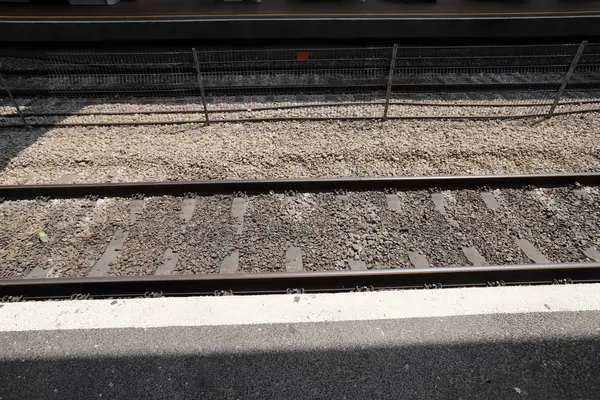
{"points": [[298, 226]]}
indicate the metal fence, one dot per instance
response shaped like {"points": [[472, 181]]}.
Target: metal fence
{"points": [[205, 86]]}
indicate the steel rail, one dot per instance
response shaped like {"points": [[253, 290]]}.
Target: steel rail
{"points": [[303, 282], [212, 187]]}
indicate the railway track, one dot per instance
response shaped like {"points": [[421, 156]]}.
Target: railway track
{"points": [[297, 235]]}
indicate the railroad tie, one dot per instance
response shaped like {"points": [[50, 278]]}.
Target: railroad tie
{"points": [[168, 264], [188, 206], [357, 265], [343, 197], [229, 265], [110, 254], [490, 200], [474, 257], [170, 258], [592, 253], [586, 193], [67, 178], [135, 209], [418, 260], [440, 204], [238, 209], [531, 251], [40, 273], [293, 259], [393, 202]]}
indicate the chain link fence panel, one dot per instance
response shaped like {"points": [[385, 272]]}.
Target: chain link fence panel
{"points": [[121, 88], [478, 81], [202, 86], [295, 83], [582, 93]]}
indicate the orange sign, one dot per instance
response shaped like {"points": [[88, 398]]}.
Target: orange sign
{"points": [[301, 56]]}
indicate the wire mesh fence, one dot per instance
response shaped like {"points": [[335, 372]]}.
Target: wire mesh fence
{"points": [[120, 88], [9, 107], [295, 83], [581, 93], [480, 82], [203, 86]]}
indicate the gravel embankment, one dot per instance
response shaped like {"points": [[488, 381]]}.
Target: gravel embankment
{"points": [[300, 149], [331, 231]]}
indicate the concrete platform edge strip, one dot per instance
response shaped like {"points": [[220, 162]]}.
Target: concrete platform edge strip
{"points": [[278, 309]]}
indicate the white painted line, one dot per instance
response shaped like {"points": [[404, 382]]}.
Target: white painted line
{"points": [[247, 310]]}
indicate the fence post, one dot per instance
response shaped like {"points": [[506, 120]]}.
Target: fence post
{"points": [[200, 84], [567, 77], [390, 81], [12, 99]]}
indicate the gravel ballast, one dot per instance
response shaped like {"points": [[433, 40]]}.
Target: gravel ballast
{"points": [[207, 238], [147, 239], [300, 149], [78, 233], [300, 232]]}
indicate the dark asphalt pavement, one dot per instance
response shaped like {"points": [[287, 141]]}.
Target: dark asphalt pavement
{"points": [[533, 356]]}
